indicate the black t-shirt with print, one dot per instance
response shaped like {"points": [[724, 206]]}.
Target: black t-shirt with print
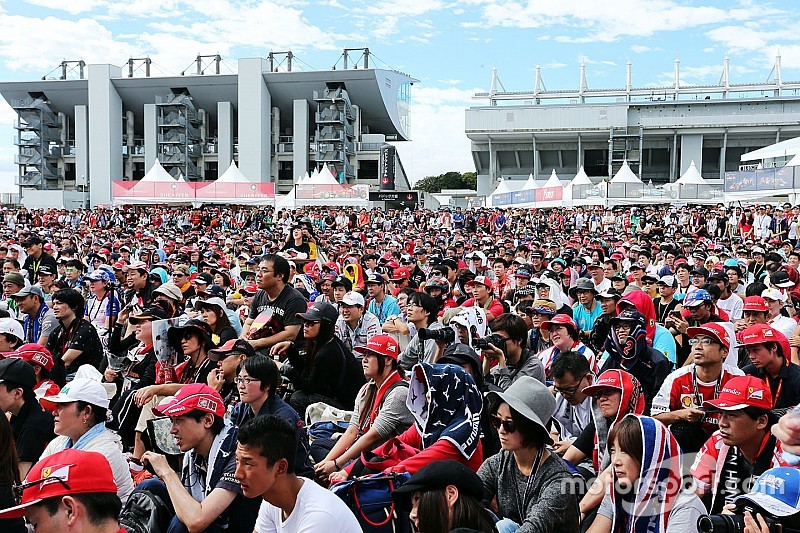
{"points": [[284, 309], [81, 335]]}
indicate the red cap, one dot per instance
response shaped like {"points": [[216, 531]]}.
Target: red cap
{"points": [[562, 319], [712, 329], [381, 345], [80, 471], [193, 397], [610, 379], [756, 303], [741, 392], [250, 288], [119, 265], [400, 274], [481, 280], [761, 333], [34, 353]]}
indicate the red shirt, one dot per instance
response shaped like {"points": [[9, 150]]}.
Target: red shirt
{"points": [[438, 451], [495, 307]]}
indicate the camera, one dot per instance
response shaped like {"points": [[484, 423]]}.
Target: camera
{"points": [[730, 523], [446, 335], [494, 339]]}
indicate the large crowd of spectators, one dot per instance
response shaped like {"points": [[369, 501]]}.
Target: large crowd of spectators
{"points": [[587, 369]]}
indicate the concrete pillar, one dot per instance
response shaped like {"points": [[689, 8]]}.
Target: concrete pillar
{"points": [[255, 105], [300, 136], [722, 155], [105, 125], [224, 135], [691, 150], [81, 145], [150, 136]]}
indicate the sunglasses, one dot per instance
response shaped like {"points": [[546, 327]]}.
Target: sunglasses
{"points": [[17, 490], [507, 425]]}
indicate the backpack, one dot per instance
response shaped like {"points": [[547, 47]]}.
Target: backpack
{"points": [[370, 499], [144, 512]]}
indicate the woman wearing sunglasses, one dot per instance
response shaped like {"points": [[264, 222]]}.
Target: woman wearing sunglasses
{"points": [[532, 486]]}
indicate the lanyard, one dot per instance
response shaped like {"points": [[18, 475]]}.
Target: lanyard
{"points": [[521, 504], [698, 398]]}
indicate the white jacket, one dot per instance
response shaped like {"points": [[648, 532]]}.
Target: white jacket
{"points": [[109, 444]]}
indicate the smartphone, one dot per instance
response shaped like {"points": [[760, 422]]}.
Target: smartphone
{"points": [[675, 314]]}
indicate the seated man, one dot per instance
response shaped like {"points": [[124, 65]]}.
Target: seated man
{"points": [[571, 374], [74, 342], [265, 470], [355, 325], [513, 359], [742, 448], [205, 496], [72, 490], [679, 401], [770, 355], [31, 425]]}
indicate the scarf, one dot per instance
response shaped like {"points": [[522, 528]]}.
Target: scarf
{"points": [[631, 401], [635, 347], [372, 400], [658, 485], [86, 438], [33, 330], [453, 412]]}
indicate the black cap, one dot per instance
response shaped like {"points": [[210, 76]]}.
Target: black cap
{"points": [[629, 315], [438, 475], [701, 271], [320, 312], [459, 354], [46, 270], [718, 275], [240, 346], [343, 281], [153, 312], [175, 333], [204, 277], [17, 371], [214, 291]]}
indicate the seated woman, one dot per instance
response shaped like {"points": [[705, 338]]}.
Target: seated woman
{"points": [[527, 481], [446, 405], [257, 383], [645, 493], [9, 478], [213, 313], [193, 341], [445, 486], [380, 409], [80, 423], [327, 372]]}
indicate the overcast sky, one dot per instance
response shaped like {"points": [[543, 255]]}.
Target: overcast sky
{"points": [[450, 47]]}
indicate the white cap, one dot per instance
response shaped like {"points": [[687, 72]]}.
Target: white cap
{"points": [[774, 294], [215, 301], [11, 326], [82, 389], [353, 298]]}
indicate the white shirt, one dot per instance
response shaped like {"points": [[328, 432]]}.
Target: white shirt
{"points": [[734, 306], [315, 510], [784, 324]]}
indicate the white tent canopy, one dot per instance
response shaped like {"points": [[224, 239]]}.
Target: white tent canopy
{"points": [[157, 174], [785, 148], [553, 180], [531, 184], [323, 177], [625, 175], [581, 178], [691, 176], [233, 175]]}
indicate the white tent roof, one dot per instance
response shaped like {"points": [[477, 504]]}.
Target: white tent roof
{"points": [[691, 177], [581, 178], [157, 174], [785, 148], [553, 180], [625, 175], [509, 186], [233, 175], [323, 177], [530, 184]]}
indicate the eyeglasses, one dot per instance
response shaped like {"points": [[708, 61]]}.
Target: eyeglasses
{"points": [[17, 490], [507, 425], [569, 392], [704, 341], [178, 275], [247, 381]]}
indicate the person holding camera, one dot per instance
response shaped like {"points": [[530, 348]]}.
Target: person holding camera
{"points": [[506, 347], [421, 313], [743, 447]]}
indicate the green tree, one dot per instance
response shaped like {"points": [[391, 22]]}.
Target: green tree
{"points": [[448, 180]]}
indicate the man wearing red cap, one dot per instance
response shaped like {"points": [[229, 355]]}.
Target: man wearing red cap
{"points": [[756, 311], [205, 496], [682, 394], [69, 491], [770, 356], [743, 447], [481, 289]]}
